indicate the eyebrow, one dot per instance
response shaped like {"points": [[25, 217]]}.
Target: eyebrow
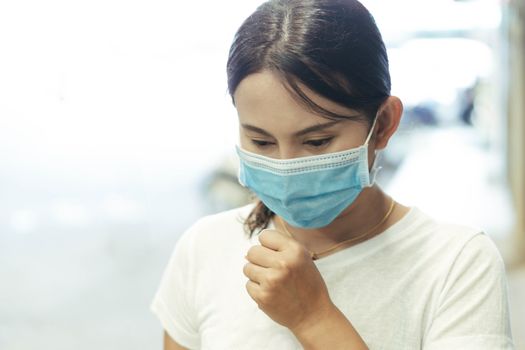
{"points": [[305, 131]]}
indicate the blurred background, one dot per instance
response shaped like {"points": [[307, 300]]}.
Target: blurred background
{"points": [[117, 132]]}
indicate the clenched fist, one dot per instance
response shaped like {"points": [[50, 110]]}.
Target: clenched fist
{"points": [[284, 281]]}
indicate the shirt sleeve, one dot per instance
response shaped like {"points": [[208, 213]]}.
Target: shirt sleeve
{"points": [[472, 311], [174, 303]]}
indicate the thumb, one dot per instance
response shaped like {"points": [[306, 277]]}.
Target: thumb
{"points": [[274, 239]]}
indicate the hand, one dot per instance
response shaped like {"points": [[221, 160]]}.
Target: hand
{"points": [[284, 281]]}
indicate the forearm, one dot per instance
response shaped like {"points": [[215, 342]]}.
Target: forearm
{"points": [[331, 330]]}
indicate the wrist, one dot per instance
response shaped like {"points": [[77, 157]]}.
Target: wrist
{"points": [[328, 329], [316, 321]]}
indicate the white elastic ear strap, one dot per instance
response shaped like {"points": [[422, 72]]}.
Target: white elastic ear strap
{"points": [[371, 129], [374, 170]]}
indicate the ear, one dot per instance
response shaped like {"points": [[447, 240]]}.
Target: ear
{"points": [[389, 117]]}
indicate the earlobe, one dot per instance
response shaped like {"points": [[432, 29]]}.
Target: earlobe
{"points": [[389, 117]]}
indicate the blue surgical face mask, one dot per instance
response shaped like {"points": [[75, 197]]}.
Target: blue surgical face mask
{"points": [[308, 192]]}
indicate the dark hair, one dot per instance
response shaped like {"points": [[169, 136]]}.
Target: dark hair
{"points": [[333, 47]]}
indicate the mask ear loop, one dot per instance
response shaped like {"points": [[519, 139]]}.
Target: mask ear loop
{"points": [[375, 168], [371, 129]]}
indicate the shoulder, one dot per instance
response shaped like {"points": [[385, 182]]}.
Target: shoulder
{"points": [[441, 244], [445, 234], [462, 247]]}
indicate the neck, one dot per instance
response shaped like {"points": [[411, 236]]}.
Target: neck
{"points": [[362, 215]]}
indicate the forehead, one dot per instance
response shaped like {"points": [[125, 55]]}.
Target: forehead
{"points": [[264, 95]]}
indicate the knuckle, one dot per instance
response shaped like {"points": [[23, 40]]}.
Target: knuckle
{"points": [[284, 265], [296, 249], [273, 280], [263, 298], [298, 253]]}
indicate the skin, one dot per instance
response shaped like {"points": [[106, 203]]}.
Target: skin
{"points": [[170, 344], [282, 278]]}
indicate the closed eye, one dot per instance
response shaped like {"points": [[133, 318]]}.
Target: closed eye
{"points": [[262, 143], [318, 142]]}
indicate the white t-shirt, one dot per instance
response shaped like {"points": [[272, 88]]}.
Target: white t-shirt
{"points": [[418, 285]]}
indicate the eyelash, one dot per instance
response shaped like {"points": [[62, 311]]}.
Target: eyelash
{"points": [[261, 144], [313, 143], [319, 142]]}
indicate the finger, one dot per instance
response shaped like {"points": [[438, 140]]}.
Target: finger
{"points": [[253, 289], [254, 272], [261, 256], [274, 239]]}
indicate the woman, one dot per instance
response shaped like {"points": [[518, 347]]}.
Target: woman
{"points": [[324, 259]]}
